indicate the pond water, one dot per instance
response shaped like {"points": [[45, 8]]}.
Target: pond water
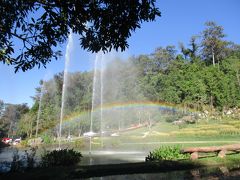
{"points": [[112, 157], [6, 157], [116, 157], [6, 154], [96, 157]]}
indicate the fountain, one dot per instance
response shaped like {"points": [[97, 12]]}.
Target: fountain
{"points": [[67, 60], [101, 106], [122, 119], [91, 133], [39, 108], [96, 92], [116, 100]]}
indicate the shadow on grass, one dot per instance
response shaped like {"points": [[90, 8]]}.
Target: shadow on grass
{"points": [[132, 168], [79, 172]]}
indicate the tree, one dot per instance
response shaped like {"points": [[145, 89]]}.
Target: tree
{"points": [[162, 57], [25, 125], [10, 116], [1, 108], [190, 52], [232, 66], [192, 86], [212, 42], [40, 25]]}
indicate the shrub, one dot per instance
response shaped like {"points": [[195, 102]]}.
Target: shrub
{"points": [[79, 143], [47, 139], [24, 143], [172, 118], [63, 157], [166, 153]]}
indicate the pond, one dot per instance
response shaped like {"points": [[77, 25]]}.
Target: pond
{"points": [[6, 157], [95, 157], [112, 157], [117, 157]]}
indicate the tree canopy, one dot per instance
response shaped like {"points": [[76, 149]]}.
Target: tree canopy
{"points": [[31, 30], [212, 43]]}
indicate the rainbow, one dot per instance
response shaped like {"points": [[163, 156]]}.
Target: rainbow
{"points": [[77, 117], [145, 105], [139, 104]]}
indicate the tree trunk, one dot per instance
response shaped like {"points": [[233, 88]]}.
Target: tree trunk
{"points": [[31, 130], [211, 103], [9, 130], [36, 133], [149, 122], [213, 58], [80, 131], [223, 110], [139, 117], [238, 78]]}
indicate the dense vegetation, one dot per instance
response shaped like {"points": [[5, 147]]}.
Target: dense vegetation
{"points": [[166, 153], [204, 76], [10, 115], [63, 157]]}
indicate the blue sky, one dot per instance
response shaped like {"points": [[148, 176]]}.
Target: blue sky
{"points": [[179, 21]]}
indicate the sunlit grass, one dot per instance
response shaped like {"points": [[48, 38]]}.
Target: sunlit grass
{"points": [[213, 133], [203, 133]]}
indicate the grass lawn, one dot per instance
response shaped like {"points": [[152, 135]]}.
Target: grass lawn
{"points": [[205, 133]]}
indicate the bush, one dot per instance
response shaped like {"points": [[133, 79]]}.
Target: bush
{"points": [[166, 153], [63, 157], [24, 143], [171, 119], [47, 139], [79, 143]]}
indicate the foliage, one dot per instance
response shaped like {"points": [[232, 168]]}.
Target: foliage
{"points": [[190, 52], [25, 125], [212, 43], [10, 115], [24, 143], [40, 25], [47, 139], [79, 143], [172, 118], [166, 153], [63, 157]]}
